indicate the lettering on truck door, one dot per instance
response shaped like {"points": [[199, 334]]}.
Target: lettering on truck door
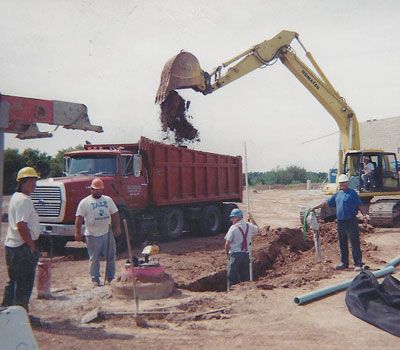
{"points": [[134, 188]]}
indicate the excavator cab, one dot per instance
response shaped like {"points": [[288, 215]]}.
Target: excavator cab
{"points": [[182, 71], [382, 175]]}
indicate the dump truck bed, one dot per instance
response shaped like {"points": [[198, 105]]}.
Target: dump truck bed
{"points": [[178, 175]]}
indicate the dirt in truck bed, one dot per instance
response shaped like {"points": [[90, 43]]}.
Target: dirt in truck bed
{"points": [[174, 119], [201, 314]]}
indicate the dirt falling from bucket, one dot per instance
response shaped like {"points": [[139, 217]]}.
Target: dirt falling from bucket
{"points": [[174, 119]]}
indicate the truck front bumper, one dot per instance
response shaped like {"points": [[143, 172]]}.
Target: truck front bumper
{"points": [[62, 230]]}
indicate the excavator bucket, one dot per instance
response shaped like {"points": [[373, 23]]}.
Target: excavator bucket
{"points": [[182, 71]]}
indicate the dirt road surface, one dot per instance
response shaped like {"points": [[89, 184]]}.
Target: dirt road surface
{"points": [[202, 315]]}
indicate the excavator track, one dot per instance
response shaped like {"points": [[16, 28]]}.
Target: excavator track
{"points": [[384, 212], [326, 214]]}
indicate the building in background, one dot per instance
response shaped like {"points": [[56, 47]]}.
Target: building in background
{"points": [[381, 134]]}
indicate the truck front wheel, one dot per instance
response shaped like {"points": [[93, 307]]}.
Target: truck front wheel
{"points": [[135, 228], [46, 243], [120, 241], [171, 223]]}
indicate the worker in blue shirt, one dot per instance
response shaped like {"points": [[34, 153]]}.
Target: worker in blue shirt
{"points": [[347, 203]]}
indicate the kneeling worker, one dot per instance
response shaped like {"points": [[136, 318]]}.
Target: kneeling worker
{"points": [[347, 203], [238, 247]]}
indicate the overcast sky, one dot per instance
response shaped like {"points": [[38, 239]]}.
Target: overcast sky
{"points": [[109, 56]]}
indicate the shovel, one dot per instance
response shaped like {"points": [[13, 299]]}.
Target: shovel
{"points": [[139, 321], [108, 252], [313, 222]]}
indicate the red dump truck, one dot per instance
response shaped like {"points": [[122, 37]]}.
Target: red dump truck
{"points": [[159, 189]]}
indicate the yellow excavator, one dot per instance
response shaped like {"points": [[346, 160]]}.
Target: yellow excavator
{"points": [[184, 71]]}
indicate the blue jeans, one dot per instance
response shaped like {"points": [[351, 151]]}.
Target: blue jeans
{"points": [[97, 247], [21, 266], [238, 268], [348, 230]]}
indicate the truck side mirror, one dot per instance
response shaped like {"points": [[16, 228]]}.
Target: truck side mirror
{"points": [[137, 164], [67, 162]]}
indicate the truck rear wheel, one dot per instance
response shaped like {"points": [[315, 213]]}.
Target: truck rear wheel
{"points": [[171, 223], [226, 212], [211, 221]]}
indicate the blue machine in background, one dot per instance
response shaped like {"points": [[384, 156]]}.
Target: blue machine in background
{"points": [[332, 175]]}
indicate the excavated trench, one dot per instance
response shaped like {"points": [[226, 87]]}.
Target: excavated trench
{"points": [[278, 246]]}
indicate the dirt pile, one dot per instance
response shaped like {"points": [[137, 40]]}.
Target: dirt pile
{"points": [[295, 266], [289, 261], [174, 118]]}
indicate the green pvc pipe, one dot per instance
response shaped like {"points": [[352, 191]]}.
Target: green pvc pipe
{"points": [[305, 298], [393, 262]]}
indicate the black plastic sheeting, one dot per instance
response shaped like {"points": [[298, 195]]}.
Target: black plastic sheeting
{"points": [[377, 304]]}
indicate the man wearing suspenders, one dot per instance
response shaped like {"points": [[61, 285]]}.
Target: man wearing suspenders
{"points": [[238, 247]]}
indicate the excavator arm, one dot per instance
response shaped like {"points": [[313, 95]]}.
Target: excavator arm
{"points": [[184, 71]]}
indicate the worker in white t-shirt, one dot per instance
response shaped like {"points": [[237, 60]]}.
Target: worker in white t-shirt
{"points": [[21, 253], [368, 172], [99, 213], [238, 247]]}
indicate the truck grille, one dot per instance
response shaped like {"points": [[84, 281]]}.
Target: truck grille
{"points": [[47, 201]]}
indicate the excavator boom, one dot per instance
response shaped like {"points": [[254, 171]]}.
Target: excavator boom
{"points": [[183, 71]]}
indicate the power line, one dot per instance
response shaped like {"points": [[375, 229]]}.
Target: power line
{"points": [[319, 138]]}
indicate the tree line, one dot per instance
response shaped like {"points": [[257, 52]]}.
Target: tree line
{"points": [[46, 165], [286, 176], [49, 166]]}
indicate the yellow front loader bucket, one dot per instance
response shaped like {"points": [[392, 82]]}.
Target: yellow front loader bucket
{"points": [[180, 72]]}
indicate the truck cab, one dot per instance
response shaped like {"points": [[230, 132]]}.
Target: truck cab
{"points": [[121, 169], [56, 199]]}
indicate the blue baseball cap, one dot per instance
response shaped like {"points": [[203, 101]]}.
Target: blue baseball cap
{"points": [[236, 213]]}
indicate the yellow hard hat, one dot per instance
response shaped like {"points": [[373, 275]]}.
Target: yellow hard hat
{"points": [[27, 172], [152, 249], [97, 184]]}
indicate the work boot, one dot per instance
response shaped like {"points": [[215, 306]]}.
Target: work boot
{"points": [[109, 280], [357, 268], [341, 266], [95, 281]]}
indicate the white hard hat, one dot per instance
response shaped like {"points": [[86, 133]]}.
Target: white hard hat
{"points": [[343, 178]]}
